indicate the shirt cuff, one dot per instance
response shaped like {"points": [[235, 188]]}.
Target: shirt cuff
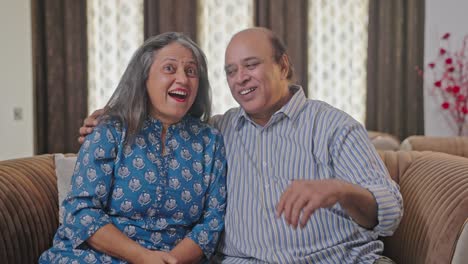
{"points": [[389, 209]]}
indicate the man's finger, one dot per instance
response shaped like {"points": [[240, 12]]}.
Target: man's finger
{"points": [[296, 211], [307, 211], [90, 121], [289, 204], [280, 205], [81, 140], [83, 131]]}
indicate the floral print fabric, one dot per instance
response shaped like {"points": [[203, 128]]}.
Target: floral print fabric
{"points": [[153, 195]]}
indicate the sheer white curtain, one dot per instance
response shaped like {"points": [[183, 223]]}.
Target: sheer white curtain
{"points": [[115, 31], [217, 21], [337, 54]]}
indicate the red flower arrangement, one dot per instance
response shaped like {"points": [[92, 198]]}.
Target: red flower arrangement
{"points": [[450, 80]]}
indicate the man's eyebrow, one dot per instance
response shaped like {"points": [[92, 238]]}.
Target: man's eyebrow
{"points": [[251, 58]]}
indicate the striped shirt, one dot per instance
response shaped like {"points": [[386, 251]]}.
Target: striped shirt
{"points": [[305, 139]]}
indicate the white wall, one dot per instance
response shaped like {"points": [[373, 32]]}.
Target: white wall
{"points": [[16, 79], [441, 16]]}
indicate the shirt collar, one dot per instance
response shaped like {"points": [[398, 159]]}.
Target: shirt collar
{"points": [[291, 109]]}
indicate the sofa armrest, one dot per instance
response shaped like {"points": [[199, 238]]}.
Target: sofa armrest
{"points": [[435, 194], [28, 208], [451, 145]]}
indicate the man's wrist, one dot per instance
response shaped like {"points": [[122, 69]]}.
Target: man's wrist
{"points": [[345, 191]]}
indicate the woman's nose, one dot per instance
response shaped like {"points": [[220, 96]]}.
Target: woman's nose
{"points": [[181, 77]]}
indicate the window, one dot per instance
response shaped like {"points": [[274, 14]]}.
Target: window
{"points": [[218, 21], [338, 53], [115, 31]]}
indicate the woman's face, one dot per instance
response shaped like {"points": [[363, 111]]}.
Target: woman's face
{"points": [[172, 83]]}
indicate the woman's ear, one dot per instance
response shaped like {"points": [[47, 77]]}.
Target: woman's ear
{"points": [[285, 66]]}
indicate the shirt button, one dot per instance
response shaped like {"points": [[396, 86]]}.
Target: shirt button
{"points": [[264, 164]]}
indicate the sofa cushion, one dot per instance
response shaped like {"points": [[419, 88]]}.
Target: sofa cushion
{"points": [[64, 166]]}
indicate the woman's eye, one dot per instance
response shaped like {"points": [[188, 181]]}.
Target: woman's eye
{"points": [[192, 72], [169, 68]]}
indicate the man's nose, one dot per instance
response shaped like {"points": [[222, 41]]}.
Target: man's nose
{"points": [[242, 76]]}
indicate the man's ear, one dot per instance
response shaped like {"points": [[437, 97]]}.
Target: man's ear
{"points": [[284, 64]]}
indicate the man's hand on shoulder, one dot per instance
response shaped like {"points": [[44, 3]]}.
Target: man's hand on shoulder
{"points": [[88, 124]]}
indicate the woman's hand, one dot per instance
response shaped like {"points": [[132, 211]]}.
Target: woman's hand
{"points": [[157, 257], [110, 240]]}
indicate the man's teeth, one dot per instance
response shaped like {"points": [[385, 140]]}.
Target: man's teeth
{"points": [[244, 92]]}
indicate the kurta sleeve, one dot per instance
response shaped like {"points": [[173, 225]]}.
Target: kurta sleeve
{"points": [[85, 205], [207, 231], [355, 160]]}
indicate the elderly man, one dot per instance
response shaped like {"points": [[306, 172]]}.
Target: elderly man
{"points": [[295, 162]]}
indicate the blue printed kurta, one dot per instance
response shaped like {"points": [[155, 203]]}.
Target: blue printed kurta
{"points": [[155, 198]]}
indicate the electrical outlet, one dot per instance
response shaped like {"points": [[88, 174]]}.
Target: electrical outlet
{"points": [[17, 113]]}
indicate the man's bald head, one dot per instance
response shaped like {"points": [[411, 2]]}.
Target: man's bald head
{"points": [[259, 34]]}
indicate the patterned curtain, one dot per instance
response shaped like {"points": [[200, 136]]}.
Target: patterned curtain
{"points": [[115, 31], [337, 54], [218, 20]]}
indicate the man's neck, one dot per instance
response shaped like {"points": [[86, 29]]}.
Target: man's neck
{"points": [[264, 117]]}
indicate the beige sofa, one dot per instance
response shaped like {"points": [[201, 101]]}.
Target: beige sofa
{"points": [[451, 145], [434, 228], [383, 141]]}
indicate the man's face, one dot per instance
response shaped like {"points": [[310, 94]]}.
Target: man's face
{"points": [[256, 81]]}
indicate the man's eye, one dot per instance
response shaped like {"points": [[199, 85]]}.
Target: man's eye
{"points": [[251, 65], [230, 72]]}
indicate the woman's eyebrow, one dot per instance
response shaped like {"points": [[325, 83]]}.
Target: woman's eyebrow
{"points": [[191, 61]]}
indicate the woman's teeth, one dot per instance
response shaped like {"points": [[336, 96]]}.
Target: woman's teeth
{"points": [[178, 94]]}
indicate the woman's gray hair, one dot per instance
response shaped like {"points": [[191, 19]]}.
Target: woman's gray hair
{"points": [[129, 102]]}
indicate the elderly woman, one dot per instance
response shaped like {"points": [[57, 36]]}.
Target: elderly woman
{"points": [[149, 182]]}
